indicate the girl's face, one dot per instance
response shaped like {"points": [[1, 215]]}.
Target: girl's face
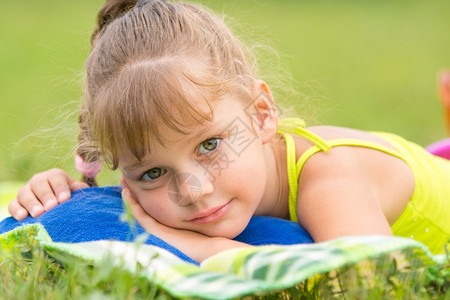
{"points": [[211, 181]]}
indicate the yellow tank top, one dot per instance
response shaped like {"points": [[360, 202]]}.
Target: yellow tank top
{"points": [[427, 215]]}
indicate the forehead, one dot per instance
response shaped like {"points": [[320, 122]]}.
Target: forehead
{"points": [[226, 112], [145, 99]]}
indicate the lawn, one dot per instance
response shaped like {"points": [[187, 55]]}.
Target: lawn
{"points": [[375, 268], [364, 64]]}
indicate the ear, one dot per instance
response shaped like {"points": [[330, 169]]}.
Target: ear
{"points": [[265, 111]]}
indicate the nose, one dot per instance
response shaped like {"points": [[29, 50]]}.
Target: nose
{"points": [[187, 188]]}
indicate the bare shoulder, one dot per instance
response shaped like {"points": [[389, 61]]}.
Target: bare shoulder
{"points": [[352, 178], [334, 132]]}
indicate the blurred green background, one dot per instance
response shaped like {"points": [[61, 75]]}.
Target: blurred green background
{"points": [[358, 63]]}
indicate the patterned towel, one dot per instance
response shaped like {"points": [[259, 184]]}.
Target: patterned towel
{"points": [[237, 272]]}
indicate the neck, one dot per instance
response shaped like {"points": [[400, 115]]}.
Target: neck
{"points": [[275, 201]]}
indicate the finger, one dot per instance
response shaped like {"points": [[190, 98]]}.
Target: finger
{"points": [[136, 209], [145, 220], [63, 185], [28, 200], [77, 185], [17, 211], [124, 184], [128, 198], [129, 203], [41, 186], [58, 181]]}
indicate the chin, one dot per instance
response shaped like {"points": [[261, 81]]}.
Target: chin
{"points": [[225, 231]]}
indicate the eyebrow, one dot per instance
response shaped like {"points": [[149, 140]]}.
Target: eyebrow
{"points": [[202, 132], [197, 135], [135, 165]]}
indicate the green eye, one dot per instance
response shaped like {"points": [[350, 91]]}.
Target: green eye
{"points": [[153, 174], [207, 146]]}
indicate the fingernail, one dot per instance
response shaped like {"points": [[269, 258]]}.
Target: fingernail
{"points": [[50, 204], [35, 211], [63, 196], [20, 215]]}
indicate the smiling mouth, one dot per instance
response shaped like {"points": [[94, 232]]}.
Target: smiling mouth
{"points": [[212, 214]]}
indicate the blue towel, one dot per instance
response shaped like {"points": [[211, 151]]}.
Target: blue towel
{"points": [[94, 214]]}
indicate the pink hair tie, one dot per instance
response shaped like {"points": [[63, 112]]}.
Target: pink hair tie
{"points": [[88, 169]]}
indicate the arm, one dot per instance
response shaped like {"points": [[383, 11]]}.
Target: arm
{"points": [[196, 245], [43, 192], [352, 191]]}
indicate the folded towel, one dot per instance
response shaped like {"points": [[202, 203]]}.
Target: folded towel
{"points": [[94, 214]]}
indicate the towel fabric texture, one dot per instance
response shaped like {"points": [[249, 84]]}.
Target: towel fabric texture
{"points": [[95, 214]]}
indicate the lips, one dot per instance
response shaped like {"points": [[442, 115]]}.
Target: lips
{"points": [[212, 214]]}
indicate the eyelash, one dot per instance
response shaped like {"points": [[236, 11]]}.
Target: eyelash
{"points": [[217, 144], [163, 171]]}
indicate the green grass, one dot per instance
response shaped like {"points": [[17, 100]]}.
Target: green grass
{"points": [[364, 64], [29, 273], [358, 63]]}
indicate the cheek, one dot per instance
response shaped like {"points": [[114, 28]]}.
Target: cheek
{"points": [[155, 203], [247, 174], [253, 158]]}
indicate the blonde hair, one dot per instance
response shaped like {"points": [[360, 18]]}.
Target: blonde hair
{"points": [[149, 61]]}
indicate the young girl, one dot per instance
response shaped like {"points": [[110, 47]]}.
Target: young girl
{"points": [[173, 102]]}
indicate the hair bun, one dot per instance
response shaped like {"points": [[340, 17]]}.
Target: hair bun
{"points": [[142, 3], [110, 11]]}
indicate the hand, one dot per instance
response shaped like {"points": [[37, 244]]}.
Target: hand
{"points": [[193, 244], [43, 192], [139, 214]]}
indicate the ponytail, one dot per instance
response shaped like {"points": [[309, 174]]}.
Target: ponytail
{"points": [[88, 160], [88, 169]]}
